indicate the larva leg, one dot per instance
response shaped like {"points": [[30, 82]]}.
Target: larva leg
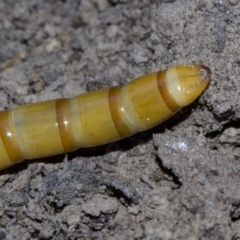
{"points": [[57, 126]]}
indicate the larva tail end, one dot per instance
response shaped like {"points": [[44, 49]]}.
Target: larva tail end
{"points": [[187, 82]]}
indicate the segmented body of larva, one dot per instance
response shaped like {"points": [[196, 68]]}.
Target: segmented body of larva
{"points": [[99, 117]]}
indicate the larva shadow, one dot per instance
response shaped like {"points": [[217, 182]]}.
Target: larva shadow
{"points": [[121, 145], [25, 164]]}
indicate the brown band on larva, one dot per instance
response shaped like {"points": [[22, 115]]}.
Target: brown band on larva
{"points": [[64, 125], [166, 95], [8, 136], [115, 106]]}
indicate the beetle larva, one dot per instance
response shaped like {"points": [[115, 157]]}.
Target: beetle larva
{"points": [[57, 126]]}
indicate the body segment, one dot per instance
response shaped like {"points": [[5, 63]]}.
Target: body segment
{"points": [[95, 118]]}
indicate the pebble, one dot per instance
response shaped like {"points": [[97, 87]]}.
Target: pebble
{"points": [[234, 2], [98, 206]]}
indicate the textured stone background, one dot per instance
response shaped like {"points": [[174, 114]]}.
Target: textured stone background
{"points": [[180, 180]]}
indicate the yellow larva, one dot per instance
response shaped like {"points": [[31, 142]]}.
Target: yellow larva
{"points": [[99, 117]]}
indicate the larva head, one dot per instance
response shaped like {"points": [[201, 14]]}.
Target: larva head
{"points": [[185, 83]]}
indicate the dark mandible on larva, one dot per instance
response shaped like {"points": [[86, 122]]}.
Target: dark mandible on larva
{"points": [[57, 126]]}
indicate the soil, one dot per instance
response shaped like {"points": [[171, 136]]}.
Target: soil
{"points": [[180, 180]]}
